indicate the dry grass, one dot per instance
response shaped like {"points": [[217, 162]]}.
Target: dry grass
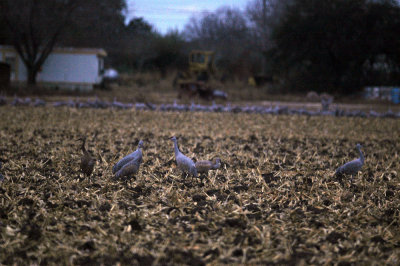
{"points": [[274, 200]]}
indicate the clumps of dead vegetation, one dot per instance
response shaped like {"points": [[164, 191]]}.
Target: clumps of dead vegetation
{"points": [[274, 199]]}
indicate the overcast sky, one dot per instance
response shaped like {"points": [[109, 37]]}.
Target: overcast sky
{"points": [[174, 14]]}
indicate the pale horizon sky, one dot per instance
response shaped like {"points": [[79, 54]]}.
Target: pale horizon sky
{"points": [[172, 15]]}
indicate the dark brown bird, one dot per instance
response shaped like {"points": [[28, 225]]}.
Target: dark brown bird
{"points": [[87, 161], [205, 166]]}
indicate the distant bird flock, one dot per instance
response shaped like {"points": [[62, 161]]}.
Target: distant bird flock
{"points": [[193, 107]]}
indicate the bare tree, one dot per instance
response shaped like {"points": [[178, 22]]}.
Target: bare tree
{"points": [[226, 32], [264, 15], [34, 27]]}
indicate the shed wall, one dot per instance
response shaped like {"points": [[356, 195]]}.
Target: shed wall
{"points": [[70, 68]]}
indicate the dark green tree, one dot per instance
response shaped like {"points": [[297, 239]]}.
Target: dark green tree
{"points": [[263, 16], [382, 66], [330, 45], [169, 52], [98, 24], [136, 45], [139, 27]]}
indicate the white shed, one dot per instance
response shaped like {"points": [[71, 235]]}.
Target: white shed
{"points": [[64, 68]]}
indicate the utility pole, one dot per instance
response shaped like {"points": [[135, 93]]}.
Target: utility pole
{"points": [[264, 37]]}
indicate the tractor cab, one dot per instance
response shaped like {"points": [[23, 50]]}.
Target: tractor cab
{"points": [[201, 64]]}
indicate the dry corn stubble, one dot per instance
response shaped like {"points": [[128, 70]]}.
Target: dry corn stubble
{"points": [[274, 199]]}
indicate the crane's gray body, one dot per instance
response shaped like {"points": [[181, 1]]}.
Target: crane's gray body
{"points": [[352, 167], [205, 166], [129, 169], [135, 156], [185, 164]]}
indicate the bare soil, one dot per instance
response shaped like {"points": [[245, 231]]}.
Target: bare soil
{"points": [[275, 199]]}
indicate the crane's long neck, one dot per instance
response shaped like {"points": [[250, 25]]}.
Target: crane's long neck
{"points": [[176, 149], [361, 155], [83, 146], [139, 150], [216, 164]]}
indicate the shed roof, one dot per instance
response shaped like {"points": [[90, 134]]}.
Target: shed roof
{"points": [[66, 50]]}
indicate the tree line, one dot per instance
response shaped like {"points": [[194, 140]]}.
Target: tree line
{"points": [[330, 45]]}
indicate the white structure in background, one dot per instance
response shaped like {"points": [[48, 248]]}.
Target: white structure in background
{"points": [[111, 73], [383, 93], [68, 68]]}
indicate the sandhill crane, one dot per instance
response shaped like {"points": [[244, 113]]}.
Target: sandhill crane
{"points": [[129, 169], [87, 161], [136, 155], [352, 167], [185, 164]]}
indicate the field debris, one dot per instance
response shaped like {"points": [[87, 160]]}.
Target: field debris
{"points": [[1, 176], [274, 200]]}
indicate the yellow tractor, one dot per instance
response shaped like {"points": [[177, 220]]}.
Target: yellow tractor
{"points": [[201, 65], [195, 81]]}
